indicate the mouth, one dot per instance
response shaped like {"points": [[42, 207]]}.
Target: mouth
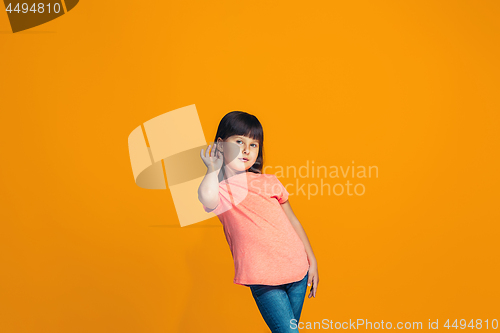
{"points": [[243, 159]]}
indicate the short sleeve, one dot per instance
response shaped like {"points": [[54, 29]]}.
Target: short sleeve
{"points": [[282, 194]]}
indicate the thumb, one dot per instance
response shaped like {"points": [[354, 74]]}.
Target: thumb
{"points": [[309, 281]]}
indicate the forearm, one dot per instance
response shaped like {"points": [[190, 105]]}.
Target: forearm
{"points": [[208, 192]]}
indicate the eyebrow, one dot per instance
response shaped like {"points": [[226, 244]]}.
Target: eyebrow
{"points": [[239, 136]]}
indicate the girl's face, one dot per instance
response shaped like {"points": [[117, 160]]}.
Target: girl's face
{"points": [[240, 152]]}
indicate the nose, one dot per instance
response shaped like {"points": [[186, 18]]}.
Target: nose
{"points": [[245, 150]]}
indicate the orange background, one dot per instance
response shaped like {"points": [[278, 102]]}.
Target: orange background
{"points": [[411, 87]]}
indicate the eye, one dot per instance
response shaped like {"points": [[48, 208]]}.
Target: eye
{"points": [[254, 144], [238, 141]]}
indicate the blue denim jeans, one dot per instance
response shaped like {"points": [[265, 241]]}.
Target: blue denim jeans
{"points": [[280, 305]]}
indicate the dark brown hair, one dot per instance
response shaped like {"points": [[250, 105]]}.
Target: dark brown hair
{"points": [[242, 123]]}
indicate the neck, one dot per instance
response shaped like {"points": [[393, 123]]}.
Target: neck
{"points": [[227, 172]]}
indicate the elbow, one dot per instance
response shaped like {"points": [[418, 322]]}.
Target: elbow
{"points": [[208, 198]]}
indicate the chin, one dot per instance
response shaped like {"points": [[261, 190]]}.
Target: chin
{"points": [[238, 166]]}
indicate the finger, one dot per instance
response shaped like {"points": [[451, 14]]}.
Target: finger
{"points": [[212, 151], [205, 151], [208, 151], [217, 152]]}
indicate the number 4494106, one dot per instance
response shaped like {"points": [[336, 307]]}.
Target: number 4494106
{"points": [[36, 8]]}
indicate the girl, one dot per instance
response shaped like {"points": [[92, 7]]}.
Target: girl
{"points": [[271, 252]]}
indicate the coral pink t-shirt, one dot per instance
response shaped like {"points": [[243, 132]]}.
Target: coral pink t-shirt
{"points": [[265, 247]]}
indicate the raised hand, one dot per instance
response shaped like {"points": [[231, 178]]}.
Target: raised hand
{"points": [[213, 159]]}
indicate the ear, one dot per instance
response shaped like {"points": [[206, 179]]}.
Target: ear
{"points": [[219, 145]]}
